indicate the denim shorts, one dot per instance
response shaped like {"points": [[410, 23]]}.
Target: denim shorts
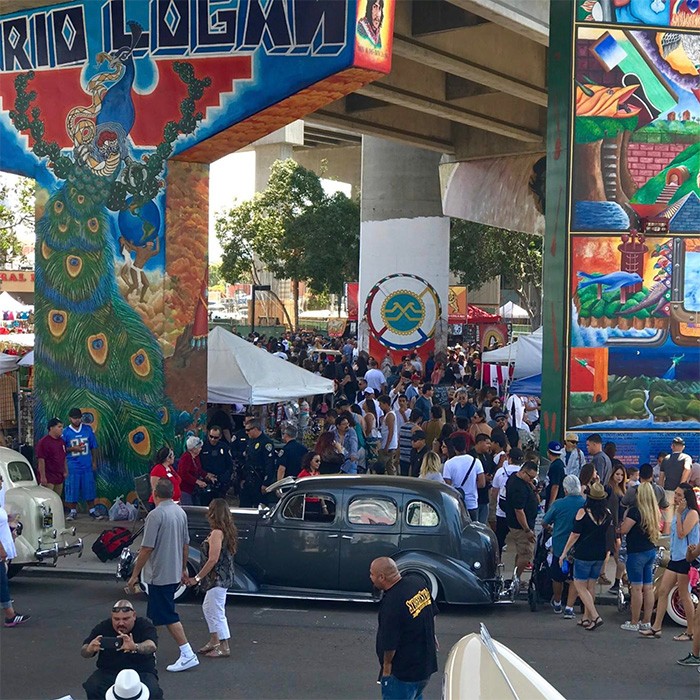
{"points": [[640, 567], [587, 570]]}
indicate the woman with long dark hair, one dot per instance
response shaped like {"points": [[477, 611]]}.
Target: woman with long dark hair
{"points": [[587, 476], [590, 535], [330, 451], [685, 532], [216, 576], [310, 465]]}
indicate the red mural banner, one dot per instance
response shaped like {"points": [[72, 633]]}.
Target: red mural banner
{"points": [[352, 291]]}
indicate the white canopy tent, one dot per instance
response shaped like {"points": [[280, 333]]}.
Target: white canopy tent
{"points": [[525, 352], [511, 310], [239, 372], [8, 363], [9, 303]]}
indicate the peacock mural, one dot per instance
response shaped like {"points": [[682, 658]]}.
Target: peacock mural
{"points": [[93, 349]]}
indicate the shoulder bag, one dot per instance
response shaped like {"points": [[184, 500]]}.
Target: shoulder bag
{"points": [[460, 488]]}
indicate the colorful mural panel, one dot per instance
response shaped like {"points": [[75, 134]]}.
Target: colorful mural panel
{"points": [[629, 325], [116, 109]]}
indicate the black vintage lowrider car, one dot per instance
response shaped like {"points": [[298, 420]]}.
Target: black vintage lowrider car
{"points": [[318, 541]]}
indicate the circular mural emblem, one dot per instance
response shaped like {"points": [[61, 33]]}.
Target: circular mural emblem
{"points": [[402, 311]]}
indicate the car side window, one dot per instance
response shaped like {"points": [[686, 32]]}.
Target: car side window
{"points": [[421, 514], [19, 471], [310, 507], [372, 510]]}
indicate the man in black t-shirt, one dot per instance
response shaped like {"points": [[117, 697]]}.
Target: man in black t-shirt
{"points": [[406, 644], [138, 641], [482, 452], [521, 513], [556, 473]]}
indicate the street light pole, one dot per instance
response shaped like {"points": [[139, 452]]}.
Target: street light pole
{"points": [[256, 288]]}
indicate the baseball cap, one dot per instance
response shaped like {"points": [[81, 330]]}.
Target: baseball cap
{"points": [[417, 435], [498, 416], [555, 448], [415, 377], [678, 440], [369, 390], [571, 437]]}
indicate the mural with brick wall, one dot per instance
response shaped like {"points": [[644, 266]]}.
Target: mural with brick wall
{"points": [[628, 321]]}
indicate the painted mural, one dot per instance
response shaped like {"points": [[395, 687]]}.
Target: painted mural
{"points": [[116, 108], [631, 266]]}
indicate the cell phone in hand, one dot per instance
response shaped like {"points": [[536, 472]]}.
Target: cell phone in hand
{"points": [[111, 643]]}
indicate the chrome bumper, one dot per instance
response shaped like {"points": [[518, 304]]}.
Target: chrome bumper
{"points": [[55, 551]]}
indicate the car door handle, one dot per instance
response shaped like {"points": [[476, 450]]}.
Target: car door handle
{"points": [[346, 537], [333, 537]]}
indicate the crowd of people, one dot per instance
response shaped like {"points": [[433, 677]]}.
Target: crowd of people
{"points": [[431, 421]]}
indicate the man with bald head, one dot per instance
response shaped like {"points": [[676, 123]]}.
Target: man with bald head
{"points": [[406, 642]]}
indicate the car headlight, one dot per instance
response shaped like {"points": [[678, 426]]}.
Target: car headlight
{"points": [[18, 528]]}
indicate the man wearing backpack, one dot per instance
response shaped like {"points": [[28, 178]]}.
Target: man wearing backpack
{"points": [[466, 474]]}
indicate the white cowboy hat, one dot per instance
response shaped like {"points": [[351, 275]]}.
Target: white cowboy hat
{"points": [[128, 686]]}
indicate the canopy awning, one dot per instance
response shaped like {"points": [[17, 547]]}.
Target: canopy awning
{"points": [[477, 315], [525, 353], [239, 372]]}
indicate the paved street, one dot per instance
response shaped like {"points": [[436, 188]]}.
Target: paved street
{"points": [[284, 649]]}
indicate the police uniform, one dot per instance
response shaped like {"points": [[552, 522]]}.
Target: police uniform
{"points": [[239, 442], [216, 460], [260, 470]]}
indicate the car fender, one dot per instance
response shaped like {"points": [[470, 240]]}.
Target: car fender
{"points": [[458, 582], [243, 582]]}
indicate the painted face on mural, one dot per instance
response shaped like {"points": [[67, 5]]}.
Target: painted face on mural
{"points": [[376, 15]]}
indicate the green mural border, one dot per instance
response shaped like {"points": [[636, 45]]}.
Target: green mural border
{"points": [[556, 241]]}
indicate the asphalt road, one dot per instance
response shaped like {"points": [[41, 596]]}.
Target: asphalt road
{"points": [[286, 649]]}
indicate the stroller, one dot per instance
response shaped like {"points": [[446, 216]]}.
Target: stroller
{"points": [[539, 589]]}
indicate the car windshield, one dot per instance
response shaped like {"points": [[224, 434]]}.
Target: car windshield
{"points": [[19, 471]]}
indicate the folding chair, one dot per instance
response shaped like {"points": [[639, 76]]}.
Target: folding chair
{"points": [[142, 486]]}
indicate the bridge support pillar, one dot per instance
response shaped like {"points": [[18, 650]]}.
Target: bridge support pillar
{"points": [[404, 251]]}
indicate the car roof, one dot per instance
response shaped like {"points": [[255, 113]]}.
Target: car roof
{"points": [[424, 487], [7, 455]]}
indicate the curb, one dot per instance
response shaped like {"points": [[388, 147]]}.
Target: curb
{"points": [[69, 574]]}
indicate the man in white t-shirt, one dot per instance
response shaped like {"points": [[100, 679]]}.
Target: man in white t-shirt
{"points": [[389, 450], [466, 473], [375, 377]]}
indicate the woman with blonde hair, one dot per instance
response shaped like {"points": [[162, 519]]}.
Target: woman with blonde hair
{"points": [[641, 525], [216, 576], [431, 468]]}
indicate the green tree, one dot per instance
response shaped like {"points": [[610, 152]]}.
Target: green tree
{"points": [[16, 218], [478, 253], [294, 230], [215, 275]]}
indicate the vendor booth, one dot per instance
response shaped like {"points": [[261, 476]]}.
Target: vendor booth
{"points": [[240, 372]]}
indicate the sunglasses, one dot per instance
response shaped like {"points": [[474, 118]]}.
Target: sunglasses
{"points": [[122, 609], [218, 437]]}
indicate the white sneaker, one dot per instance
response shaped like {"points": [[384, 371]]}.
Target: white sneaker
{"points": [[183, 663], [630, 627], [72, 515]]}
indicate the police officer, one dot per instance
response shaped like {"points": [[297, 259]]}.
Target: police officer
{"points": [[216, 459], [260, 467]]}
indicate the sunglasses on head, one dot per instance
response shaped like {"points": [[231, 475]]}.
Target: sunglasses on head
{"points": [[122, 609]]}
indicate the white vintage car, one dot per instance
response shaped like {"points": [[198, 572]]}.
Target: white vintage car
{"points": [[36, 513]]}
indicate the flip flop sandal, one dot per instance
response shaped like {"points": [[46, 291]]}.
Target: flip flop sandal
{"points": [[650, 633], [685, 637], [584, 623], [207, 648], [595, 624], [216, 653]]}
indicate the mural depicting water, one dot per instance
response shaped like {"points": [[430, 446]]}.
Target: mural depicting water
{"points": [[600, 216]]}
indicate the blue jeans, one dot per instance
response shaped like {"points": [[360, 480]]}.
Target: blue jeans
{"points": [[394, 689], [483, 513], [5, 600]]}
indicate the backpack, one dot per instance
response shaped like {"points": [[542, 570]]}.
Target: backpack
{"points": [[110, 543]]}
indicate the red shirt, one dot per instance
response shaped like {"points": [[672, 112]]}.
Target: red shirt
{"points": [[167, 473], [304, 473], [189, 469], [53, 452]]}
